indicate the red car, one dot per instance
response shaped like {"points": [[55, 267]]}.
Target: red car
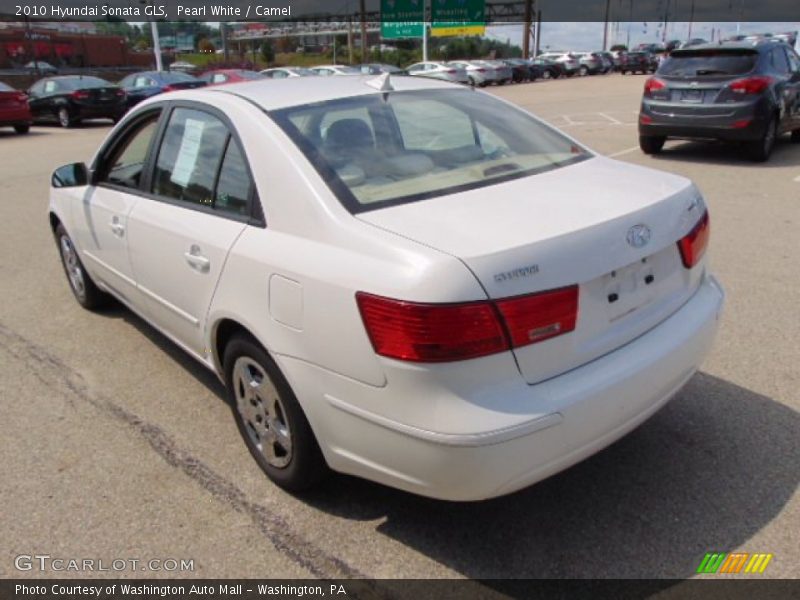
{"points": [[220, 76], [14, 109]]}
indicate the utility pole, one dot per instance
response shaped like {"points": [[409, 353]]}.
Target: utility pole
{"points": [[526, 32], [363, 31], [425, 31], [605, 26], [156, 39], [538, 32], [350, 41]]}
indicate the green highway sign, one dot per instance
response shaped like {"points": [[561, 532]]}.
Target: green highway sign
{"points": [[458, 17], [402, 19]]}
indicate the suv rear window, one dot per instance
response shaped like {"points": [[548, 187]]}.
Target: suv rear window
{"points": [[708, 63]]}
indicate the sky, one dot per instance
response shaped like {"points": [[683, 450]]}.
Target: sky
{"points": [[589, 36]]}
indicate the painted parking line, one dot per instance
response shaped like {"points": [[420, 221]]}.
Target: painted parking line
{"points": [[797, 179], [626, 151], [611, 119]]}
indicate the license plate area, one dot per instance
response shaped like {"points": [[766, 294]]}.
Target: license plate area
{"points": [[630, 288], [692, 96]]}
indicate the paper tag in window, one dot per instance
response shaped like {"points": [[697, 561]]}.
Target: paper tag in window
{"points": [[190, 150]]}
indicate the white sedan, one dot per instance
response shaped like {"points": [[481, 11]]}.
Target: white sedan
{"points": [[405, 280]]}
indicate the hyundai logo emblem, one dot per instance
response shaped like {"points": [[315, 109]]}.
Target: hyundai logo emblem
{"points": [[639, 236]]}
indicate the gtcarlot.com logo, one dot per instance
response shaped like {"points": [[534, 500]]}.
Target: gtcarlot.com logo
{"points": [[45, 562], [717, 563]]}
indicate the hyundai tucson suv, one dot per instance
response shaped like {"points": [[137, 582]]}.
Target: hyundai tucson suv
{"points": [[744, 92]]}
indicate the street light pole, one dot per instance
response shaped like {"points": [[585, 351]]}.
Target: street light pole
{"points": [[425, 31]]}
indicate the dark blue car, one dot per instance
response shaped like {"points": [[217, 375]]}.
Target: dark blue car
{"points": [[141, 86]]}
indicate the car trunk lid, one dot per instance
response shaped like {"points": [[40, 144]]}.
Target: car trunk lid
{"points": [[552, 231]]}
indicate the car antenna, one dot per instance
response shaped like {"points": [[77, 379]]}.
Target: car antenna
{"points": [[382, 83]]}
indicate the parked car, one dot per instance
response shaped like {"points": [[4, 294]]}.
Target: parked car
{"points": [[691, 42], [439, 70], [550, 69], [638, 62], [393, 316], [224, 76], [184, 67], [569, 63], [480, 75], [734, 91], [607, 59], [286, 72], [379, 69], [335, 70], [40, 66], [527, 71], [590, 63], [14, 109], [69, 99], [503, 73], [140, 86]]}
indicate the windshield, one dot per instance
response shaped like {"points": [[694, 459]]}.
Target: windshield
{"points": [[176, 77], [698, 63], [382, 150], [79, 83]]}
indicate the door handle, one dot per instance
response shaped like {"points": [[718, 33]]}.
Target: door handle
{"points": [[196, 259], [117, 228]]}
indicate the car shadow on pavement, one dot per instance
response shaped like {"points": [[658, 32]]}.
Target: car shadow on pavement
{"points": [[706, 473], [785, 154]]}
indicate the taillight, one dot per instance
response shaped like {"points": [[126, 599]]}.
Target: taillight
{"points": [[431, 332], [421, 332], [452, 72], [693, 245], [169, 88], [751, 85], [481, 70], [538, 317], [653, 85], [80, 95], [22, 97]]}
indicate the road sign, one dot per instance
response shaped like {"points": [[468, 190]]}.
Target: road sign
{"points": [[402, 19], [458, 17]]}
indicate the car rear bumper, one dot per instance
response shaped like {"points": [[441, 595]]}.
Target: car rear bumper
{"points": [[734, 122], [548, 426]]}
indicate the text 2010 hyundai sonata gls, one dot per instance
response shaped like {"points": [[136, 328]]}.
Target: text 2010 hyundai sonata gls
{"points": [[404, 280]]}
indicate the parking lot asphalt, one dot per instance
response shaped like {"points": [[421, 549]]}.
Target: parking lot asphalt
{"points": [[116, 445]]}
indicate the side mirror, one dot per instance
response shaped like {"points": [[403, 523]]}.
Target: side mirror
{"points": [[74, 175]]}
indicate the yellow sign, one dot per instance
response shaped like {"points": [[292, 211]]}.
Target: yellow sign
{"points": [[454, 30]]}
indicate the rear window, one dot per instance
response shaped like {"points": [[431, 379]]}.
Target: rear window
{"points": [[377, 150], [708, 63]]}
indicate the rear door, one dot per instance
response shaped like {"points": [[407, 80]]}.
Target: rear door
{"points": [[201, 199]]}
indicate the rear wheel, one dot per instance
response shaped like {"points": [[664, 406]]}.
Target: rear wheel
{"points": [[64, 118], [583, 72], [83, 288], [546, 74], [761, 149], [270, 419], [22, 128], [652, 144]]}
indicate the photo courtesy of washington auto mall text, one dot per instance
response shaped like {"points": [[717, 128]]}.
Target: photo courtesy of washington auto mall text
{"points": [[399, 299]]}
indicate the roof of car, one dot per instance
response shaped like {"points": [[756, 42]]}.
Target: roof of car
{"points": [[732, 45], [275, 94]]}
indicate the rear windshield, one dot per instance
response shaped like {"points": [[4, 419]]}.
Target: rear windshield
{"points": [[383, 150], [700, 63], [249, 75], [172, 77], [82, 83]]}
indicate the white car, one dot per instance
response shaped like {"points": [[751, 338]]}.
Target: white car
{"points": [[401, 279], [286, 72], [439, 70], [335, 70]]}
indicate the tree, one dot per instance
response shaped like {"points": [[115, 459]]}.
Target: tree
{"points": [[206, 46], [267, 52]]}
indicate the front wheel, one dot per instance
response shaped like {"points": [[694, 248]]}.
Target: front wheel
{"points": [[64, 118], [651, 144], [83, 288], [546, 74], [583, 72], [761, 149], [270, 419]]}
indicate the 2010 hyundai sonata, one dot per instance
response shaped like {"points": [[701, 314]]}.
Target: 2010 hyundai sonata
{"points": [[405, 280]]}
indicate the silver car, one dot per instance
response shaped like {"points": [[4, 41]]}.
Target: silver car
{"points": [[478, 74], [439, 70]]}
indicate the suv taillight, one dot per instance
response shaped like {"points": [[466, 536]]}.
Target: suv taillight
{"points": [[693, 245], [421, 332], [653, 84], [751, 85]]}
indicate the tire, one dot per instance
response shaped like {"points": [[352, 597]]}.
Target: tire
{"points": [[795, 136], [583, 71], [64, 118], [761, 149], [83, 288], [270, 420], [546, 74], [651, 144], [22, 128]]}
